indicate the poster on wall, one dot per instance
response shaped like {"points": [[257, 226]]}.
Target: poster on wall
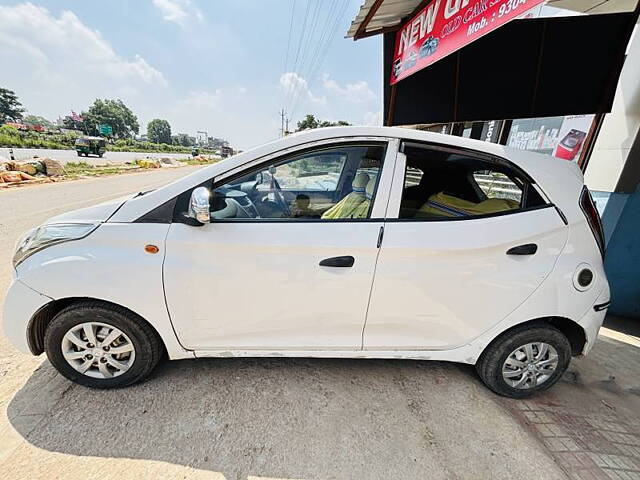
{"points": [[572, 136], [535, 134], [561, 137], [445, 26]]}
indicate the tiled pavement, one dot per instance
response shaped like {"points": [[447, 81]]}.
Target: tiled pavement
{"points": [[590, 421], [586, 446]]}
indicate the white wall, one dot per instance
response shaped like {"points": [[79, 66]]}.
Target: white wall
{"points": [[619, 128]]}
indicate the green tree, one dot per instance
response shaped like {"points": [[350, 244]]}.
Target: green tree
{"points": [[183, 139], [310, 121], [10, 107], [111, 112], [159, 131], [37, 120]]}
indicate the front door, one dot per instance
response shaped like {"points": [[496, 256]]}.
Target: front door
{"points": [[273, 270]]}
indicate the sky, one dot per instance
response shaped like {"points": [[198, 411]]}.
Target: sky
{"points": [[226, 67]]}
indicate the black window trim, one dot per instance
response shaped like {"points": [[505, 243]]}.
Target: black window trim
{"points": [[484, 156]]}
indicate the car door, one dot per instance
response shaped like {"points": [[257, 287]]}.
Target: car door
{"points": [[268, 272], [446, 271]]}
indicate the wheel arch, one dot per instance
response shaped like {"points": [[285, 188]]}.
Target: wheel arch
{"points": [[574, 332], [42, 318]]}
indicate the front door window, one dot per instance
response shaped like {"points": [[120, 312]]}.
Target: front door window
{"points": [[333, 183]]}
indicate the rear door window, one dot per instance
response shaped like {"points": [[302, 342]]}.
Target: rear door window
{"points": [[443, 185]]}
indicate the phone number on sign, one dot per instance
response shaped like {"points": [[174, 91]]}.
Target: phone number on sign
{"points": [[508, 6]]}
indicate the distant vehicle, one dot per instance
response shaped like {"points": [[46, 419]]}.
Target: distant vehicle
{"points": [[571, 144], [226, 152], [429, 47], [252, 257], [90, 146]]}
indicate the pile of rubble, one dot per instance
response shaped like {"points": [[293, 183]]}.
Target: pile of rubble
{"points": [[158, 163], [31, 171]]}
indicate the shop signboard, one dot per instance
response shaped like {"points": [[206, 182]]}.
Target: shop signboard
{"points": [[445, 26], [491, 131]]}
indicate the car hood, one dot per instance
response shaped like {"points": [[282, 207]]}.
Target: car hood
{"points": [[95, 214]]}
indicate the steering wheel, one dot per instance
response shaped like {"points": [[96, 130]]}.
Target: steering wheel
{"points": [[275, 188]]}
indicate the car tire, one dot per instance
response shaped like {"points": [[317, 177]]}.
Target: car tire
{"points": [[493, 360], [147, 348]]}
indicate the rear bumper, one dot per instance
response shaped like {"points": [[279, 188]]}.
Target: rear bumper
{"points": [[593, 318], [21, 303]]}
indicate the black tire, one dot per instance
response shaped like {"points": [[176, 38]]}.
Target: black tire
{"points": [[489, 365], [148, 346]]}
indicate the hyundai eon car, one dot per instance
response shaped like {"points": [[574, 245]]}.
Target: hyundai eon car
{"points": [[347, 242]]}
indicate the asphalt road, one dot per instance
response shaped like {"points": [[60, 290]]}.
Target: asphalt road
{"points": [[256, 418], [65, 156]]}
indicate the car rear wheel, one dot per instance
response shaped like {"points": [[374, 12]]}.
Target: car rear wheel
{"points": [[101, 346], [525, 360]]}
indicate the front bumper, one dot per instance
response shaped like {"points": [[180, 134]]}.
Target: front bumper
{"points": [[21, 303], [592, 320]]}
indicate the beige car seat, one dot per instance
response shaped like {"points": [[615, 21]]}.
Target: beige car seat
{"points": [[344, 208], [362, 209]]}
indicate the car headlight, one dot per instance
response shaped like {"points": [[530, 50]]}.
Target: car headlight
{"points": [[47, 235]]}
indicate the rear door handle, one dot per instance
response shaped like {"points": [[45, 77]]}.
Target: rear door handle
{"points": [[527, 249], [344, 261]]}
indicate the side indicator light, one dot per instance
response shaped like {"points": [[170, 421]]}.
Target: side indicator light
{"points": [[151, 249]]}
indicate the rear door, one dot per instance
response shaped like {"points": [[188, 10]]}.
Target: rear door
{"points": [[446, 271]]}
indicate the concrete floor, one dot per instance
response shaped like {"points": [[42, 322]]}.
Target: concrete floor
{"points": [[301, 418]]}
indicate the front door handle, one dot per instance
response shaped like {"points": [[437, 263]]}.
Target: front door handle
{"points": [[527, 249], [344, 261]]}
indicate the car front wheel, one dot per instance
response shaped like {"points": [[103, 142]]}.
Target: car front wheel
{"points": [[525, 360], [101, 346]]}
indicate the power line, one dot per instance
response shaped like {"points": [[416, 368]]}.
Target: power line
{"points": [[324, 49], [302, 33], [286, 58], [304, 72]]}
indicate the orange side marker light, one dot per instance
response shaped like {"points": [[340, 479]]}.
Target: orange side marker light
{"points": [[151, 249]]}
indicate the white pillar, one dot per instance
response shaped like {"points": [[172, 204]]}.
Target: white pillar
{"points": [[619, 128]]}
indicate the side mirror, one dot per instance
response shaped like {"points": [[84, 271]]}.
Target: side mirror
{"points": [[199, 205]]}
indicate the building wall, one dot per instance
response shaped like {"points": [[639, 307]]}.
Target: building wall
{"points": [[619, 129], [613, 174], [622, 262]]}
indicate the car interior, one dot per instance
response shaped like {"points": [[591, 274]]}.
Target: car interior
{"points": [[440, 184], [333, 183]]}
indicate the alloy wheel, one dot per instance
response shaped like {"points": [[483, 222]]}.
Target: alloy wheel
{"points": [[530, 365], [98, 350]]}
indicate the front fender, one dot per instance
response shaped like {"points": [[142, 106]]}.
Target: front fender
{"points": [[111, 264]]}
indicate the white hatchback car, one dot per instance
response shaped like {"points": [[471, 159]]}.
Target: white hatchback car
{"points": [[358, 242]]}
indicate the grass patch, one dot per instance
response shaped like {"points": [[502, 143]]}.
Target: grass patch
{"points": [[83, 169]]}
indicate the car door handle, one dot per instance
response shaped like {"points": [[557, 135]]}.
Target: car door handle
{"points": [[345, 261], [527, 249]]}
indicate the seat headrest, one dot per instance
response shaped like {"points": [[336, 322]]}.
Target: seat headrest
{"points": [[359, 182], [371, 186]]}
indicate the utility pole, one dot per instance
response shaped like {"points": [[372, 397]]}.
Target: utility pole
{"points": [[282, 117], [287, 125]]}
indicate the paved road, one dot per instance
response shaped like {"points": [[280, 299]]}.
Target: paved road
{"points": [[65, 156], [278, 418]]}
